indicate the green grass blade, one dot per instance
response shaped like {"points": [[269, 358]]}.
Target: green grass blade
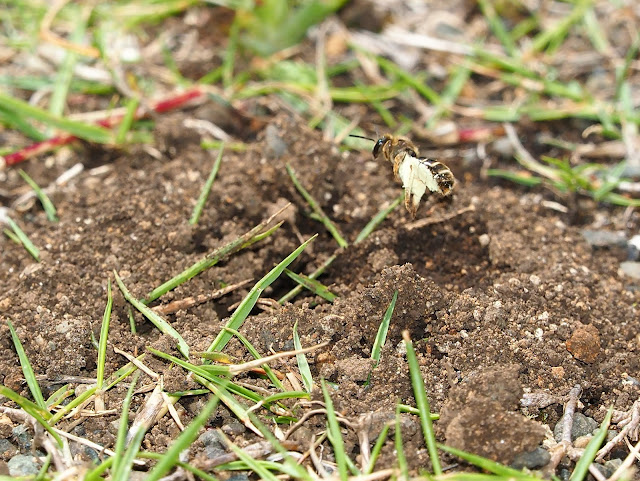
{"points": [[64, 76], [377, 448], [497, 27], [303, 364], [24, 240], [253, 464], [488, 465], [58, 396], [67, 408], [400, 456], [381, 337], [296, 290], [314, 286], [422, 402], [335, 434], [47, 205], [16, 121], [324, 219], [154, 317], [87, 132], [256, 355], [119, 468], [104, 332], [247, 304], [32, 409], [186, 438], [212, 259], [527, 180], [204, 195], [582, 466], [127, 121], [27, 370], [377, 219]]}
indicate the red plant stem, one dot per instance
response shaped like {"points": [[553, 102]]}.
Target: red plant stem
{"points": [[161, 106]]}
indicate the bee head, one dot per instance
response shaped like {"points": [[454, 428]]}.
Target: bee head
{"points": [[378, 147]]}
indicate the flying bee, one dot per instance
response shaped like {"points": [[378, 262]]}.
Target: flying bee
{"points": [[417, 174]]}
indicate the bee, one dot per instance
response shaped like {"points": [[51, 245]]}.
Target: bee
{"points": [[416, 173]]}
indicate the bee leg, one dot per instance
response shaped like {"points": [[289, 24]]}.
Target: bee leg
{"points": [[409, 198], [396, 165]]}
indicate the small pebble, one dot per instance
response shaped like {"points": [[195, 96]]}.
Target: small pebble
{"points": [[211, 438], [582, 426], [604, 238], [535, 459], [234, 428], [630, 269], [22, 465]]}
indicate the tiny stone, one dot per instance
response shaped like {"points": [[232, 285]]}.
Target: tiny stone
{"points": [[630, 269], [584, 343], [582, 426], [22, 436], [276, 146], [484, 240], [7, 449], [535, 459], [238, 477], [603, 238], [22, 465], [211, 438], [234, 428]]}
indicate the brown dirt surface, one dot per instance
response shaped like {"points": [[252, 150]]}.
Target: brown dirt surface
{"points": [[501, 295]]}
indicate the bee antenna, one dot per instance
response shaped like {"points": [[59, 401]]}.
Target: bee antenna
{"points": [[362, 137]]}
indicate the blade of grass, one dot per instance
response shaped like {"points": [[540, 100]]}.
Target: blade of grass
{"points": [[237, 408], [335, 435], [32, 409], [422, 402], [67, 408], [488, 465], [324, 219], [127, 120], [47, 205], [16, 121], [214, 257], [186, 438], [303, 364], [377, 219], [256, 355], [104, 333], [400, 456], [253, 464], [204, 194], [452, 90], [24, 240], [314, 286], [64, 75], [497, 27], [381, 337], [377, 448], [27, 370], [296, 290], [247, 304], [551, 36], [157, 321], [123, 459], [582, 466], [409, 79], [81, 130]]}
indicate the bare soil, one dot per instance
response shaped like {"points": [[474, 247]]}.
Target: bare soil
{"points": [[501, 294]]}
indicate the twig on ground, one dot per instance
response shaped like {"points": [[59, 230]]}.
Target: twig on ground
{"points": [[629, 424], [189, 302], [430, 220]]}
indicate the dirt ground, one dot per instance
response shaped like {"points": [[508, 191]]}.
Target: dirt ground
{"points": [[501, 295]]}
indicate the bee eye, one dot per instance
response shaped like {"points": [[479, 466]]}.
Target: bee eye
{"points": [[377, 148]]}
